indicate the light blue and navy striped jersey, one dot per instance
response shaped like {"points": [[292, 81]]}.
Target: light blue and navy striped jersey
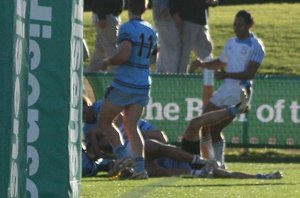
{"points": [[134, 75]]}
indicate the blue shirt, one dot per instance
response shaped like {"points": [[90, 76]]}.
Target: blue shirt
{"points": [[134, 75]]}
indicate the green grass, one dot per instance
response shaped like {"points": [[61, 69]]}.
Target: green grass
{"points": [[256, 161], [276, 24], [182, 187]]}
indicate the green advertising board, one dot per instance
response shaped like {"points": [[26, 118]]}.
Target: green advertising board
{"points": [[273, 120], [13, 93], [54, 104]]}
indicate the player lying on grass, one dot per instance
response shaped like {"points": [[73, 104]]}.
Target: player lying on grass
{"points": [[163, 159]]}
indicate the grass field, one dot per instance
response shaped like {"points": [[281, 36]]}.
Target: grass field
{"points": [[256, 161], [276, 24], [288, 186]]}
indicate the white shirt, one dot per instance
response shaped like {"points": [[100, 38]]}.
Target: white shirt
{"points": [[238, 53]]}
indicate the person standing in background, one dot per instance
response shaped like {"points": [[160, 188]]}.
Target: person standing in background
{"points": [[191, 19], [168, 38], [107, 21]]}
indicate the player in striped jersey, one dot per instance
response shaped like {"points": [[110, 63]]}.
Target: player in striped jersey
{"points": [[130, 89], [237, 66]]}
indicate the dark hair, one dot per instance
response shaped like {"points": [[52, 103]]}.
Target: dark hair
{"points": [[137, 7], [246, 15]]}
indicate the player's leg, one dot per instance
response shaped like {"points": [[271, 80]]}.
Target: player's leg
{"points": [[156, 170], [211, 118], [132, 114], [155, 149], [221, 173], [191, 137], [239, 97], [111, 108], [107, 114], [206, 149]]}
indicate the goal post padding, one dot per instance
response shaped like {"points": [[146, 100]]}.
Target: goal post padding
{"points": [[14, 66], [54, 103], [273, 120]]}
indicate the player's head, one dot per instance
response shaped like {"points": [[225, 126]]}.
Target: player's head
{"points": [[137, 7], [243, 21]]}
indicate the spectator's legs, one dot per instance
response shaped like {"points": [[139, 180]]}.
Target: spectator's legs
{"points": [[106, 40], [203, 46], [169, 47], [188, 38]]}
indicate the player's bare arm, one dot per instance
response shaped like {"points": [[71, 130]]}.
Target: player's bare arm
{"points": [[213, 65], [248, 74], [123, 54]]}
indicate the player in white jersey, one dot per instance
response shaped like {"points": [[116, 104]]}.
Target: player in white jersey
{"points": [[237, 66]]}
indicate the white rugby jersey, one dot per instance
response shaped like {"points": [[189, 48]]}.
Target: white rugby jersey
{"points": [[238, 53]]}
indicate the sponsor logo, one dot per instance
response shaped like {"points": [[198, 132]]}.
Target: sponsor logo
{"points": [[20, 36], [75, 121], [39, 29]]}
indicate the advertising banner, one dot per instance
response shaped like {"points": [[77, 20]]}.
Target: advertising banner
{"points": [[273, 120], [54, 105], [13, 93]]}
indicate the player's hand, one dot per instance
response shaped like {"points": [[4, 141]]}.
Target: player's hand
{"points": [[220, 74]]}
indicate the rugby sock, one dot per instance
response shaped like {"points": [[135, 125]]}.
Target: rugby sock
{"points": [[120, 152], [139, 165], [219, 148], [198, 160], [206, 144], [192, 147]]}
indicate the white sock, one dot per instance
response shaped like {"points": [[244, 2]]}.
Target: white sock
{"points": [[219, 148], [207, 143]]}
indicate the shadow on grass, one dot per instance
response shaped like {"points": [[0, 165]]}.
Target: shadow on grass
{"points": [[263, 155]]}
